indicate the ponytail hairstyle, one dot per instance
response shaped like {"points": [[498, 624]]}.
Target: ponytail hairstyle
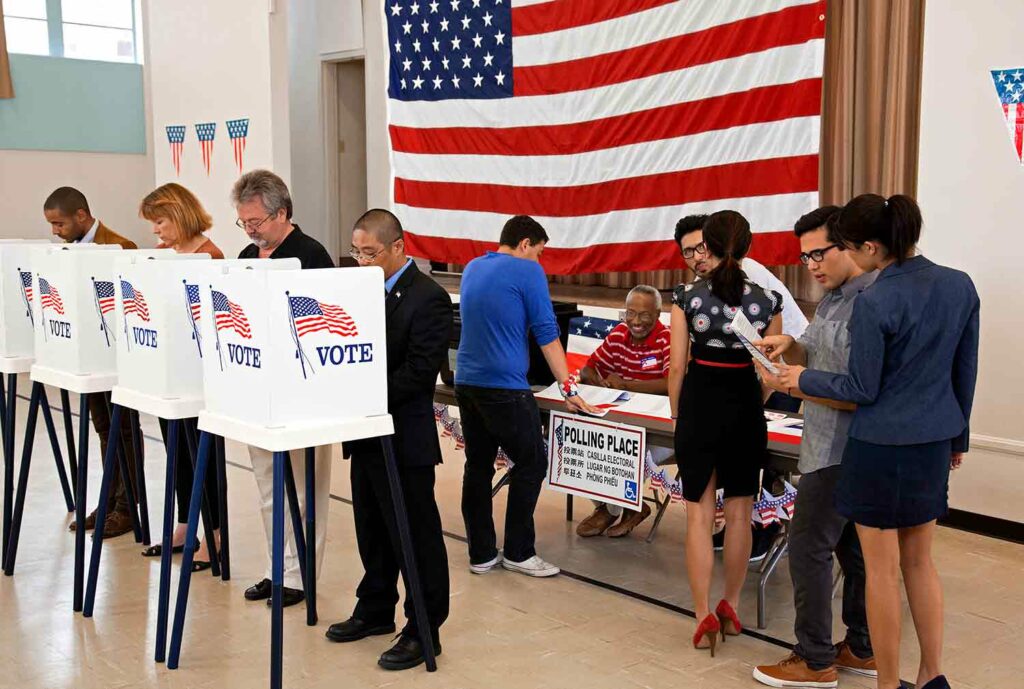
{"points": [[895, 223], [727, 236]]}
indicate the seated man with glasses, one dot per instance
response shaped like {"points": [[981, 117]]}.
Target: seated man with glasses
{"points": [[633, 357]]}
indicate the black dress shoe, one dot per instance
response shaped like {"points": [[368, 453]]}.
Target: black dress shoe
{"points": [[259, 591], [406, 653], [354, 629], [289, 597]]}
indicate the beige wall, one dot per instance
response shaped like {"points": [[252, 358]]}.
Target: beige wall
{"points": [[113, 183], [970, 189]]}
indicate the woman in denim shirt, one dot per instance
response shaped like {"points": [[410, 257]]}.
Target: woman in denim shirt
{"points": [[913, 367]]}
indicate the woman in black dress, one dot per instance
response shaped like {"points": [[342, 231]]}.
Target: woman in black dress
{"points": [[721, 439]]}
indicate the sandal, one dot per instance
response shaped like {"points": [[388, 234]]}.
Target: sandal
{"points": [[157, 550]]}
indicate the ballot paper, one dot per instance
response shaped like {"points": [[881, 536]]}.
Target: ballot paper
{"points": [[748, 335], [595, 396]]}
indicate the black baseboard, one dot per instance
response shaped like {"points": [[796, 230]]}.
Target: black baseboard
{"points": [[982, 524]]}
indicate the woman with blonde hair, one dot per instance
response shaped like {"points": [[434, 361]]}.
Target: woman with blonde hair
{"points": [[179, 221]]}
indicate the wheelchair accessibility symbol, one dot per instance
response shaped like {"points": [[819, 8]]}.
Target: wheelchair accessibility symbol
{"points": [[630, 492]]}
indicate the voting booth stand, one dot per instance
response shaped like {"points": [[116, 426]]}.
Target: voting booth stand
{"points": [[16, 355], [75, 352], [294, 360]]}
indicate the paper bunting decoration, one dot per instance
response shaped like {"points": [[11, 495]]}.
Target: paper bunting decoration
{"points": [[1010, 89], [176, 138], [237, 131], [205, 132]]}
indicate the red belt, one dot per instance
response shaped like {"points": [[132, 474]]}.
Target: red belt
{"points": [[719, 364]]}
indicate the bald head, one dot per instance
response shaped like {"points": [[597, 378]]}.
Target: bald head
{"points": [[382, 224]]}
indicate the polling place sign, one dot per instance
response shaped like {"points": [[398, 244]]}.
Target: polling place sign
{"points": [[596, 459]]}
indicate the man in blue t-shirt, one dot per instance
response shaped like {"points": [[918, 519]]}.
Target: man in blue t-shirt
{"points": [[503, 300]]}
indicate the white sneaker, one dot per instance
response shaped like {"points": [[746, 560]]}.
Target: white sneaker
{"points": [[533, 567], [485, 567]]}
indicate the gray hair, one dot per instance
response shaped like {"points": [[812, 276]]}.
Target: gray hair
{"points": [[649, 291], [271, 190]]}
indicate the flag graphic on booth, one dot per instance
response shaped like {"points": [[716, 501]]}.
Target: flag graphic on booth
{"points": [[133, 302], [238, 130], [227, 315], [310, 315], [103, 291], [26, 293], [176, 138], [194, 310], [1010, 89], [605, 121], [49, 297], [205, 132]]}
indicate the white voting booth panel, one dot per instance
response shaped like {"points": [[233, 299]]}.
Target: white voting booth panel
{"points": [[73, 304], [296, 349], [160, 345], [16, 340]]}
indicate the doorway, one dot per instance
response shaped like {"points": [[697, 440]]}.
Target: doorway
{"points": [[351, 148]]}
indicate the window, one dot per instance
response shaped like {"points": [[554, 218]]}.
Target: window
{"points": [[105, 30]]}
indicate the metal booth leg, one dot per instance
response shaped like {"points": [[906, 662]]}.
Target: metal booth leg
{"points": [[167, 532], [80, 498], [311, 613], [222, 489], [101, 508], [12, 521], [69, 434], [423, 626], [178, 627]]}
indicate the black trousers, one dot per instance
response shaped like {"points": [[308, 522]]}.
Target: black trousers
{"points": [[99, 412], [493, 418], [184, 473], [380, 548], [816, 532]]}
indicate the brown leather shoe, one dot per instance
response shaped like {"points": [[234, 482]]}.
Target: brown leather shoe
{"points": [[90, 523], [847, 660], [629, 522], [117, 524], [794, 672], [596, 523]]}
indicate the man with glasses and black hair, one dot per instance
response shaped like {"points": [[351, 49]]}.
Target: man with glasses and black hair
{"points": [[818, 530], [634, 357], [264, 207]]}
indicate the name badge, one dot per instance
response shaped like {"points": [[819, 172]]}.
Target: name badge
{"points": [[649, 362]]}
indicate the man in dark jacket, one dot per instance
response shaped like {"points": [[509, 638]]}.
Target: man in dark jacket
{"points": [[418, 315]]}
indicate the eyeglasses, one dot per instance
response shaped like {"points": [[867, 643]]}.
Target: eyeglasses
{"points": [[645, 317], [689, 251], [818, 255], [366, 258], [250, 225]]}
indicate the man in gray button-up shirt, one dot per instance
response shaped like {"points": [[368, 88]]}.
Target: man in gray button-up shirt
{"points": [[817, 529]]}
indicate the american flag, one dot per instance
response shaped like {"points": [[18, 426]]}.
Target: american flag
{"points": [[310, 316], [176, 138], [229, 315], [26, 283], [192, 292], [133, 301], [49, 297], [1010, 89], [606, 121], [104, 295], [205, 133], [237, 131]]}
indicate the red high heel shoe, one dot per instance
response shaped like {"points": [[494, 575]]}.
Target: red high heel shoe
{"points": [[728, 620], [709, 629]]}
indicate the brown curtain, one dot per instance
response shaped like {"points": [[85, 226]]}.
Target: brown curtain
{"points": [[870, 117], [6, 86]]}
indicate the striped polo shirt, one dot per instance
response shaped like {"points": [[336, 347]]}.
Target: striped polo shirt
{"points": [[647, 360]]}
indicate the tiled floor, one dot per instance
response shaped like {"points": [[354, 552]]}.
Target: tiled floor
{"points": [[505, 630]]}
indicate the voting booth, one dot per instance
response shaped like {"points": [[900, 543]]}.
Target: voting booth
{"points": [[73, 309], [295, 349], [16, 289]]}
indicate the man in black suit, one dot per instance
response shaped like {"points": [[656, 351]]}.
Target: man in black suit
{"points": [[418, 314]]}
